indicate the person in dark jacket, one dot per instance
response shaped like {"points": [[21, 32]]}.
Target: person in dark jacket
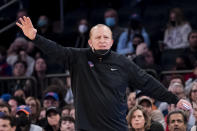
{"points": [[99, 78]]}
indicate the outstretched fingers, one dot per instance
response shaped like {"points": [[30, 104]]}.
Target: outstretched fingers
{"points": [[28, 20], [19, 25], [21, 20]]}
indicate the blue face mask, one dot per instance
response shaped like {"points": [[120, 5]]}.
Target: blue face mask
{"points": [[110, 21], [42, 23]]}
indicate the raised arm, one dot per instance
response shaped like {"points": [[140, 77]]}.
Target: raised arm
{"points": [[27, 27], [50, 48]]}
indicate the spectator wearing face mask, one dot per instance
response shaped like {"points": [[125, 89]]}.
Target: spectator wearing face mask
{"points": [[177, 30], [111, 20], [24, 121], [44, 26], [82, 34], [125, 43]]}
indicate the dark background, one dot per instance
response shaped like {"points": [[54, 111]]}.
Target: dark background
{"points": [[154, 14]]}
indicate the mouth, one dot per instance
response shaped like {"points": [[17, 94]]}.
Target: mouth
{"points": [[176, 129], [137, 123], [102, 46]]}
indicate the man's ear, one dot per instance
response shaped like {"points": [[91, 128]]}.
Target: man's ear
{"points": [[90, 43], [112, 42]]}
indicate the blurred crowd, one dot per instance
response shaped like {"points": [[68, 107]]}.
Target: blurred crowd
{"points": [[48, 104]]}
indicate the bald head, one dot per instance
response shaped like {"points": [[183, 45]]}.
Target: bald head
{"points": [[100, 37], [99, 26]]}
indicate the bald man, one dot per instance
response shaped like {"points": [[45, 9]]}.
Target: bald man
{"points": [[99, 78]]}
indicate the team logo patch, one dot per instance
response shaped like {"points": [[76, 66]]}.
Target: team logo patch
{"points": [[90, 64]]}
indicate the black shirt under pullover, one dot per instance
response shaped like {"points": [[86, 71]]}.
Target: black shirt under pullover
{"points": [[99, 85]]}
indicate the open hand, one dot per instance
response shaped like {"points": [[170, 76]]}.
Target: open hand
{"points": [[27, 27]]}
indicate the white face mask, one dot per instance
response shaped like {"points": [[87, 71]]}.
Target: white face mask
{"points": [[82, 28]]}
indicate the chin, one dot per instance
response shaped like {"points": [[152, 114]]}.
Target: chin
{"points": [[104, 48]]}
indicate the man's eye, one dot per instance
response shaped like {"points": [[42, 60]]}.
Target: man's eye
{"points": [[172, 121], [97, 37]]}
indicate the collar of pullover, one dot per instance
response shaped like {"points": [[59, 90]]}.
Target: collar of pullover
{"points": [[97, 57]]}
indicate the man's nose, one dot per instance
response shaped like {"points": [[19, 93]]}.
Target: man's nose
{"points": [[176, 123], [102, 39]]}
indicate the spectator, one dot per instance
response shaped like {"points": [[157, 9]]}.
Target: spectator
{"points": [[82, 34], [193, 94], [182, 63], [7, 123], [138, 119], [177, 120], [51, 99], [66, 110], [5, 108], [24, 121], [131, 100], [19, 69], [125, 44], [177, 79], [111, 20], [34, 105], [14, 102], [5, 97], [191, 51], [67, 123], [20, 93], [145, 58], [53, 119], [23, 56], [19, 43], [44, 26], [177, 30], [146, 103], [57, 85], [5, 68], [178, 90], [40, 69], [137, 39], [18, 52]]}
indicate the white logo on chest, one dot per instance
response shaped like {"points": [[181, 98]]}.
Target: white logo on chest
{"points": [[113, 69]]}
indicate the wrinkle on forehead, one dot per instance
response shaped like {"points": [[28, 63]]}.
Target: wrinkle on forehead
{"points": [[100, 26]]}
